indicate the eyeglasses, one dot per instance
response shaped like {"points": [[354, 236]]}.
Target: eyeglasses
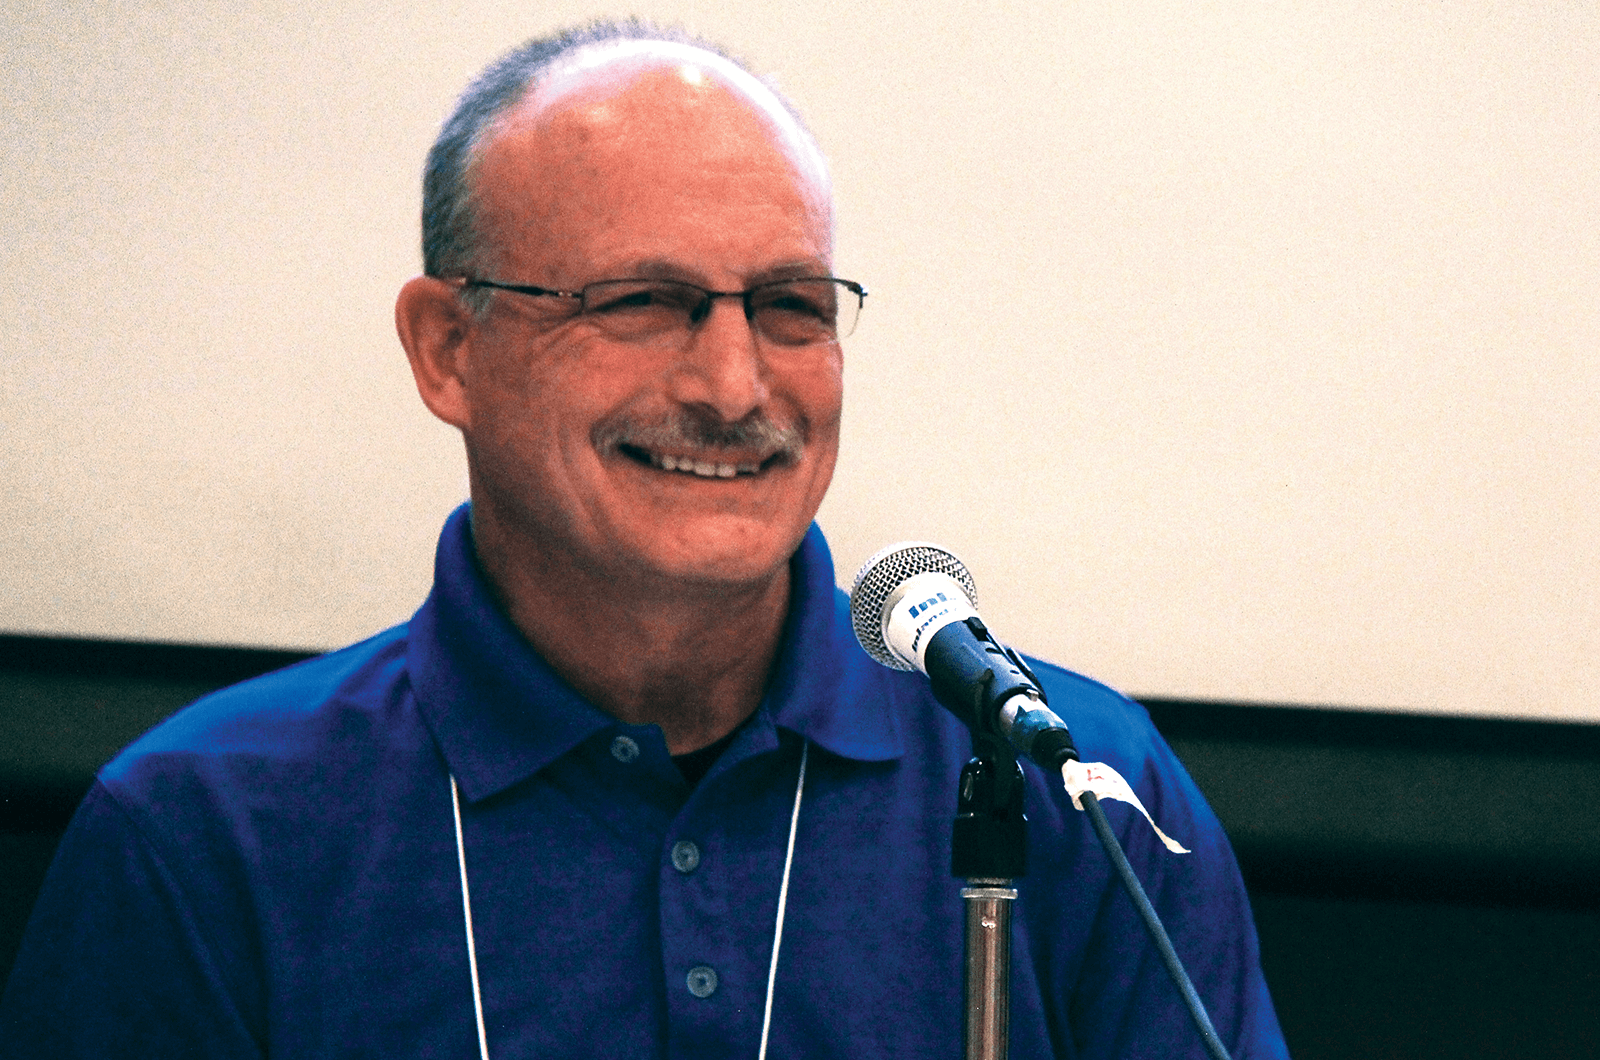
{"points": [[798, 312]]}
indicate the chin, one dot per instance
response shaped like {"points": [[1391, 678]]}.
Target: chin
{"points": [[726, 559]]}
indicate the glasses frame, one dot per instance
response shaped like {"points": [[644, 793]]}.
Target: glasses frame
{"points": [[699, 312]]}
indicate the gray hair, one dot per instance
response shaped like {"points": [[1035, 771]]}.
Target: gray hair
{"points": [[451, 240]]}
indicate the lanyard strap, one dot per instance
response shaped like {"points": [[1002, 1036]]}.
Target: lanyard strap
{"points": [[777, 931], [466, 913], [783, 898]]}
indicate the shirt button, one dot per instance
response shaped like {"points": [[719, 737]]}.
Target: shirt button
{"points": [[685, 856], [624, 749], [702, 981]]}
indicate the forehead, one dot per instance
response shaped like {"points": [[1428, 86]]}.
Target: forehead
{"points": [[649, 113], [601, 70]]}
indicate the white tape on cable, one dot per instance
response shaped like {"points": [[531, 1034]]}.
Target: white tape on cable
{"points": [[1107, 783]]}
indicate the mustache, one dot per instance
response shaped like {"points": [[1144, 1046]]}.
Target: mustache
{"points": [[687, 431]]}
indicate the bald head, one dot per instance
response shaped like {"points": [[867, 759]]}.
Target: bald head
{"points": [[590, 62], [612, 142], [598, 71]]}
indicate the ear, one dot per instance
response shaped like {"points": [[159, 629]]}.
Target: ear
{"points": [[434, 327]]}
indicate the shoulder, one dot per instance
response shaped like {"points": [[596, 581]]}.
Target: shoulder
{"points": [[302, 713], [1102, 719], [1110, 728], [290, 767]]}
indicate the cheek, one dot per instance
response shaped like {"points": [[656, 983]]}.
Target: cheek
{"points": [[555, 389], [819, 390]]}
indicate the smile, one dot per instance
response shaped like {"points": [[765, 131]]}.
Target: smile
{"points": [[700, 467], [703, 468]]}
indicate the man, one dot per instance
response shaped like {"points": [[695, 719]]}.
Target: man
{"points": [[624, 786]]}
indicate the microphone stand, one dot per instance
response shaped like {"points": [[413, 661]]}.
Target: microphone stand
{"points": [[989, 849]]}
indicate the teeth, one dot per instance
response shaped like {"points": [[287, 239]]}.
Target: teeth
{"points": [[702, 468]]}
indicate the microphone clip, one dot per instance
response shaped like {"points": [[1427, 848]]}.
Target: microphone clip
{"points": [[994, 692], [989, 839]]}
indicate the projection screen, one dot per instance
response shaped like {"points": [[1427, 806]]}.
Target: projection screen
{"points": [[1245, 351]]}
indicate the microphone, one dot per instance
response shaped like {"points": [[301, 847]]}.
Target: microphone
{"points": [[914, 607]]}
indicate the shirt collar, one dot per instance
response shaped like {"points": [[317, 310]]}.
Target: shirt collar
{"points": [[500, 713]]}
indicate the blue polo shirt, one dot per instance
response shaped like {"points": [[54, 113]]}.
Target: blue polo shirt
{"points": [[273, 871]]}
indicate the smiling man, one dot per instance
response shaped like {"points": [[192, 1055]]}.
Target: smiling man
{"points": [[645, 449], [624, 785]]}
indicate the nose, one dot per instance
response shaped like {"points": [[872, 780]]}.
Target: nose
{"points": [[708, 300], [721, 367]]}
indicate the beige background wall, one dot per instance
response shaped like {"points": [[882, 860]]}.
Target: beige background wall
{"points": [[1244, 350]]}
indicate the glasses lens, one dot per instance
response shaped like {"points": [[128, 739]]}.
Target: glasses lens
{"points": [[641, 309], [799, 312], [788, 312]]}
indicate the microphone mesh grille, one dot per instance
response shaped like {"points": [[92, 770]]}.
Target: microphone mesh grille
{"points": [[886, 571]]}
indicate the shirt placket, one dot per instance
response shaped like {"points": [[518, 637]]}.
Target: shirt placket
{"points": [[720, 873]]}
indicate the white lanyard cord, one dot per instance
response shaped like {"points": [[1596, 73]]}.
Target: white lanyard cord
{"points": [[777, 931], [783, 898], [466, 910]]}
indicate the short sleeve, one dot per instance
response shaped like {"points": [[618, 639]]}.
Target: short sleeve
{"points": [[116, 962]]}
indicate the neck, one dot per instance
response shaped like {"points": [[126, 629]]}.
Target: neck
{"points": [[693, 659]]}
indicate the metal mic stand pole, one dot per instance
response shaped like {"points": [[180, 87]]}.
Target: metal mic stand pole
{"points": [[989, 849]]}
